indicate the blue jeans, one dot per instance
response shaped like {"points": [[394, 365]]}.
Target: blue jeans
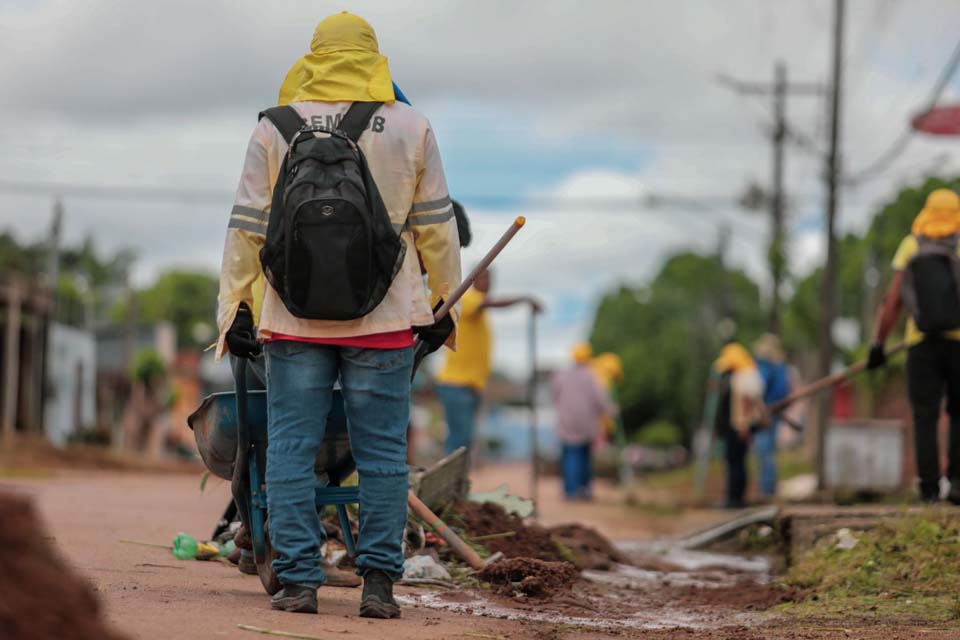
{"points": [[460, 407], [765, 445], [376, 392], [577, 470]]}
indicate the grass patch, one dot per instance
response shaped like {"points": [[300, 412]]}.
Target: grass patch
{"points": [[790, 464], [905, 567]]}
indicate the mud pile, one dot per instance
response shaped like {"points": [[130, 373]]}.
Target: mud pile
{"points": [[576, 543], [40, 596], [533, 578], [528, 541], [589, 548]]}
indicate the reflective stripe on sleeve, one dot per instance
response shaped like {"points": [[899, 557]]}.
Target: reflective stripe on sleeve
{"points": [[431, 205], [431, 218], [246, 224], [250, 212]]}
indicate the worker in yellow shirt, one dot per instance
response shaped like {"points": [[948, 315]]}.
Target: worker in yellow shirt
{"points": [[926, 283], [464, 374]]}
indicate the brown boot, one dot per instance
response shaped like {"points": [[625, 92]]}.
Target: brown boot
{"points": [[341, 578]]}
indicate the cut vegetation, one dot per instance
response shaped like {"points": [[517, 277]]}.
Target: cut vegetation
{"points": [[905, 567]]}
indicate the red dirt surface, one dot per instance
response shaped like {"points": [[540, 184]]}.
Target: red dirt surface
{"points": [[40, 596], [148, 595]]}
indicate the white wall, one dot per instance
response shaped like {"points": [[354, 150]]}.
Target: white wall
{"points": [[71, 376]]}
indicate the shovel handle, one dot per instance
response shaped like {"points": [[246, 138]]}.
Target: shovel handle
{"points": [[420, 348], [482, 266], [828, 381], [461, 548]]}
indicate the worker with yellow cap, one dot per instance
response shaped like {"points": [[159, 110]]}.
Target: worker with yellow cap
{"points": [[581, 405], [926, 281], [342, 85], [463, 375], [740, 411]]}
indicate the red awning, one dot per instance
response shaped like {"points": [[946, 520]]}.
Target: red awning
{"points": [[939, 121]]}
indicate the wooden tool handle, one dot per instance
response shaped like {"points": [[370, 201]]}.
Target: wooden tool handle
{"points": [[829, 381], [460, 547], [482, 266]]}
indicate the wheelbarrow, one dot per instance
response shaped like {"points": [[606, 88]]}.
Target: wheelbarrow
{"points": [[231, 433]]}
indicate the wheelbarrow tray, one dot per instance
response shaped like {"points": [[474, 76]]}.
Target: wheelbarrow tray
{"points": [[215, 422]]}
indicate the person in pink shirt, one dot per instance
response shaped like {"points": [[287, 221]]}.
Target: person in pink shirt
{"points": [[581, 404]]}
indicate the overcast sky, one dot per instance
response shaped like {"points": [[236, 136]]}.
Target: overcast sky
{"points": [[551, 109]]}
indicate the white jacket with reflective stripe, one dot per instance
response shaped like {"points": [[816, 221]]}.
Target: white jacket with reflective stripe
{"points": [[405, 162]]}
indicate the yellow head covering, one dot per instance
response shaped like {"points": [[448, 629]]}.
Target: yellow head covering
{"points": [[344, 65], [940, 216], [734, 357], [608, 368], [581, 352]]}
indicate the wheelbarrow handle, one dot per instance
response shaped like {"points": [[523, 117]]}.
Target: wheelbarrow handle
{"points": [[238, 483]]}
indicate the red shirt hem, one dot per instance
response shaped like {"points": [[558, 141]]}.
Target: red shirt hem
{"points": [[388, 340]]}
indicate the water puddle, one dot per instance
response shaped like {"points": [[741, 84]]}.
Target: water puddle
{"points": [[666, 587]]}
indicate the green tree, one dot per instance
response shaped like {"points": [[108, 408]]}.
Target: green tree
{"points": [[188, 299], [668, 334]]}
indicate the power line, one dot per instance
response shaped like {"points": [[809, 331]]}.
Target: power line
{"points": [[876, 167], [558, 203]]}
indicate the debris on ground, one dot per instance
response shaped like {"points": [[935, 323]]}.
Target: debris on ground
{"points": [[424, 568], [845, 540], [42, 596], [531, 577], [516, 505]]}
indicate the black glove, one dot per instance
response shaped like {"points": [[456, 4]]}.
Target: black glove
{"points": [[242, 337], [436, 334], [877, 357]]}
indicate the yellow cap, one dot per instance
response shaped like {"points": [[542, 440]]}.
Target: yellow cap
{"points": [[582, 352], [940, 216], [734, 357]]}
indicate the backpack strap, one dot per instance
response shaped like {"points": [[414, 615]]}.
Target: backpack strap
{"points": [[355, 120], [286, 119]]}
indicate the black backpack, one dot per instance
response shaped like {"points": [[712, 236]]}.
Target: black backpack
{"points": [[331, 251], [931, 285]]}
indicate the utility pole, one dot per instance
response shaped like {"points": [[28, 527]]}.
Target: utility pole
{"points": [[777, 245], [828, 299], [779, 90]]}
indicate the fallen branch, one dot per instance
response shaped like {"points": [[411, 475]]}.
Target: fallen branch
{"points": [[272, 632], [493, 536]]}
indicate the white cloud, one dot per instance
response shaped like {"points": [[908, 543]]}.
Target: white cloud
{"points": [[145, 93]]}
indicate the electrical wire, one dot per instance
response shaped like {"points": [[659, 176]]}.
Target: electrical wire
{"points": [[878, 166]]}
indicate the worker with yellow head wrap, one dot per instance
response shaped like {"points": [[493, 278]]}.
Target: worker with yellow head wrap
{"points": [[740, 409], [609, 371], [372, 355], [581, 405], [926, 280]]}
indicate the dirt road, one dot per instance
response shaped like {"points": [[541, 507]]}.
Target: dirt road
{"points": [[149, 595]]}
